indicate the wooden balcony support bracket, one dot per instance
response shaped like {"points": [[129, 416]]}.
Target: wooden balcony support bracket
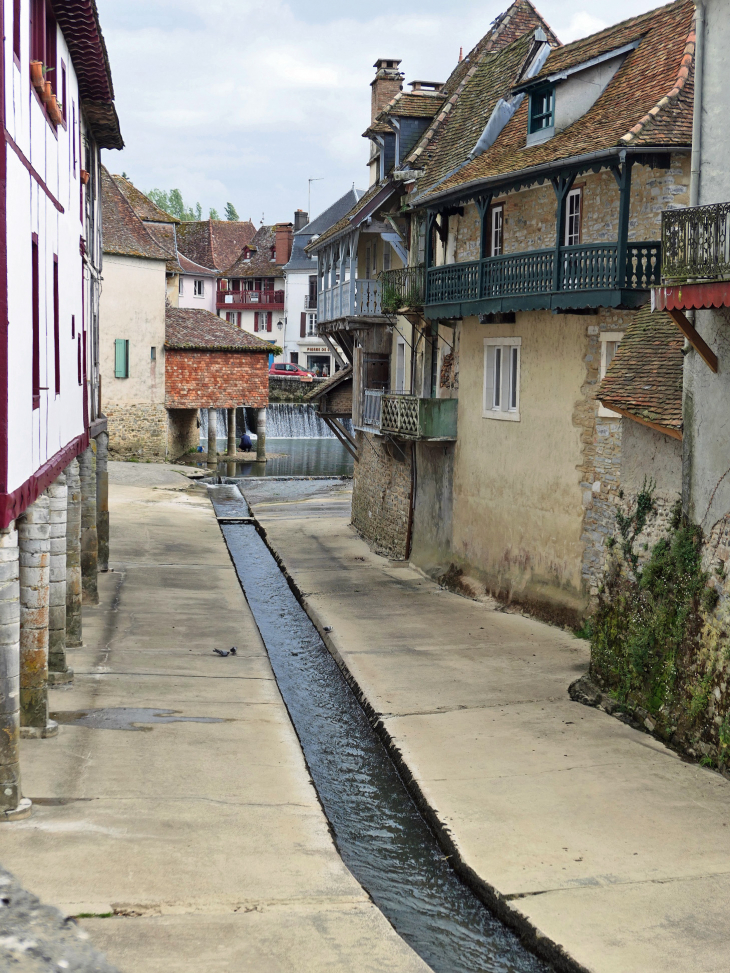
{"points": [[342, 434], [624, 212], [706, 353], [562, 184], [483, 204]]}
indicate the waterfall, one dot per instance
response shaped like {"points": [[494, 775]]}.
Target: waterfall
{"points": [[284, 420]]}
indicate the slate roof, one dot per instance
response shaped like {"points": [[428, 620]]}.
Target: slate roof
{"points": [[123, 231], [300, 259], [645, 376], [260, 264], [214, 243], [141, 204], [649, 101], [201, 330]]}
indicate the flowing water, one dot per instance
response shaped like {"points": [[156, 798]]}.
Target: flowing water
{"points": [[380, 833]]}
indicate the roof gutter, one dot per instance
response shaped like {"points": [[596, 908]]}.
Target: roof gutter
{"points": [[694, 183]]}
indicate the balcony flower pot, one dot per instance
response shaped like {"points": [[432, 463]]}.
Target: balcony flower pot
{"points": [[84, 177], [54, 112], [36, 75], [47, 93]]}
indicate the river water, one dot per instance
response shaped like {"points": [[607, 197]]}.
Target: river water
{"points": [[379, 832]]}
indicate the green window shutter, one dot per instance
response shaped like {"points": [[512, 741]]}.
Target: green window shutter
{"points": [[121, 358]]}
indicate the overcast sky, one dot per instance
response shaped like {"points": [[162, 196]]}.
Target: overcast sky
{"points": [[245, 100]]}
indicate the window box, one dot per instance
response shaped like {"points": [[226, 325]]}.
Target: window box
{"points": [[410, 417]]}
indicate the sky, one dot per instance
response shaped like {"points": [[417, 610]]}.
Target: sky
{"points": [[247, 100]]}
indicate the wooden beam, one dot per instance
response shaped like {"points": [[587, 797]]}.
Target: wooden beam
{"points": [[340, 433], [666, 430], [706, 353]]}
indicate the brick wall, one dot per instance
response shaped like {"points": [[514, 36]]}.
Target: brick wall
{"points": [[215, 379], [381, 495], [137, 430]]}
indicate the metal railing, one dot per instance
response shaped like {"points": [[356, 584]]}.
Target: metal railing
{"points": [[267, 298], [372, 409], [696, 243], [591, 267], [403, 288]]}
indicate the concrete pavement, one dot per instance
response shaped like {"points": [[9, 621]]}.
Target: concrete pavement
{"points": [[174, 809], [583, 829]]}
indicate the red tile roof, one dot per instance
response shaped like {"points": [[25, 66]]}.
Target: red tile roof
{"points": [[142, 204], [197, 329], [645, 377], [260, 263], [124, 233], [214, 243]]}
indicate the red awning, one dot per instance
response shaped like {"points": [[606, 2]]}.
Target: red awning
{"points": [[684, 297]]}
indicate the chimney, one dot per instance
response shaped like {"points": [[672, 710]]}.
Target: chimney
{"points": [[283, 244], [425, 87], [388, 82], [300, 219]]}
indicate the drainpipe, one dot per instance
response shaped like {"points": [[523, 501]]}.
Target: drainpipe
{"points": [[694, 184]]}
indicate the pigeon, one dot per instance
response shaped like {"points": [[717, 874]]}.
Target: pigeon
{"points": [[234, 650], [328, 628], [221, 652]]}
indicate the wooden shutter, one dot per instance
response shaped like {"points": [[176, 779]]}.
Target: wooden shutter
{"points": [[489, 378], [303, 326], [56, 328], [121, 358], [256, 320], [35, 291], [78, 364], [269, 324]]}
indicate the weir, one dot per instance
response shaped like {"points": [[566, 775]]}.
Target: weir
{"points": [[284, 420]]}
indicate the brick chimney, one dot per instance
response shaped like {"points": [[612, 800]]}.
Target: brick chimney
{"points": [[300, 219], [388, 82], [283, 243]]}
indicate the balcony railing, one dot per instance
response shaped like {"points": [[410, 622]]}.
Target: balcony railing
{"points": [[696, 243], [344, 300], [310, 303], [410, 417], [372, 409], [245, 298], [593, 267], [403, 288]]}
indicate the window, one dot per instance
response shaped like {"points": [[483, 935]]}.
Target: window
{"points": [[495, 231], [386, 256], [35, 289], [542, 108], [56, 330], [180, 285], [311, 324], [294, 357], [38, 30], [502, 378], [234, 317], [573, 215], [263, 320], [198, 288], [121, 358], [63, 92], [368, 257], [78, 359], [610, 340], [50, 58], [153, 353]]}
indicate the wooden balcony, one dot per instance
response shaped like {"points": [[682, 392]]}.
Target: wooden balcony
{"points": [[250, 300], [696, 244], [352, 298], [591, 275], [408, 416]]}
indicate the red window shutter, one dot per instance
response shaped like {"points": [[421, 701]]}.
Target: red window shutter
{"points": [[256, 320], [303, 325], [56, 328], [268, 321], [79, 359], [35, 291]]}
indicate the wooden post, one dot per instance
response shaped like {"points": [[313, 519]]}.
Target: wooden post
{"points": [[483, 204], [261, 436], [212, 436], [624, 212], [89, 536], [706, 353], [562, 186]]}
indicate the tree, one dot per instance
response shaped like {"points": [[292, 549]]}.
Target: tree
{"points": [[231, 214], [213, 215], [174, 204]]}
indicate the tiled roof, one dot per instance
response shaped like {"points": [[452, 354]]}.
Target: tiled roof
{"points": [[164, 234], [518, 20], [647, 80], [342, 223], [214, 243], [124, 232], [141, 204], [260, 264], [645, 376], [332, 382], [190, 267], [197, 329]]}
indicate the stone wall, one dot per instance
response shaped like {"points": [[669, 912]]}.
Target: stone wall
{"points": [[216, 379], [182, 432], [381, 494], [137, 430]]}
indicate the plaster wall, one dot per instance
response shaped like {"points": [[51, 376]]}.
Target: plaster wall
{"points": [[715, 172], [433, 507], [185, 293], [575, 95]]}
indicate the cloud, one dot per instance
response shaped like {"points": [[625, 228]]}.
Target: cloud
{"points": [[582, 24]]}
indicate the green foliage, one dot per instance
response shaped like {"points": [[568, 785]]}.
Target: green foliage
{"points": [[174, 204], [231, 214], [213, 214], [646, 629]]}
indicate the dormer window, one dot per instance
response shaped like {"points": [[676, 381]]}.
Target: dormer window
{"points": [[273, 254], [246, 254], [542, 110]]}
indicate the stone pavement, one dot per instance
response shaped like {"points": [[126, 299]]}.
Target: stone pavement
{"points": [[588, 831], [174, 811]]}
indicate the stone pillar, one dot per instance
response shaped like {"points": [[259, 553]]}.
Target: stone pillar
{"points": [[261, 436], [102, 499], [58, 671], [212, 436], [34, 537], [232, 432], [89, 538], [73, 556], [12, 805]]}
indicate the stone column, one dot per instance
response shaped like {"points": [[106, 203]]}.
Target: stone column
{"points": [[231, 432], [34, 537], [12, 805], [102, 499], [58, 671], [89, 538], [212, 436], [261, 436], [73, 556]]}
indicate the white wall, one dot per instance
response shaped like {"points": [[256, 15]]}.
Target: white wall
{"points": [[186, 297], [297, 289]]}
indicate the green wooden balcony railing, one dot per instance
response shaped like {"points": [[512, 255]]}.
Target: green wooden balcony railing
{"points": [[592, 267]]}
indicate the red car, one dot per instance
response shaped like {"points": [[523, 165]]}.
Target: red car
{"points": [[290, 370]]}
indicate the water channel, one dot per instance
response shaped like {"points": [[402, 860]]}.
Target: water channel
{"points": [[380, 833]]}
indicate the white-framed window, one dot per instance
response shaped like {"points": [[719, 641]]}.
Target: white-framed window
{"points": [[180, 284], [400, 365], [502, 378], [496, 223], [573, 217], [198, 287], [610, 340], [234, 317], [311, 325]]}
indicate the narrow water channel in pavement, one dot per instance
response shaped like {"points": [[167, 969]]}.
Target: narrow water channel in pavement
{"points": [[380, 833]]}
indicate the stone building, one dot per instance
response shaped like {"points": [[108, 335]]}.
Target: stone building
{"points": [[58, 112], [532, 198]]}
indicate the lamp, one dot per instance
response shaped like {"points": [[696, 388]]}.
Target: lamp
{"points": [[280, 325]]}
